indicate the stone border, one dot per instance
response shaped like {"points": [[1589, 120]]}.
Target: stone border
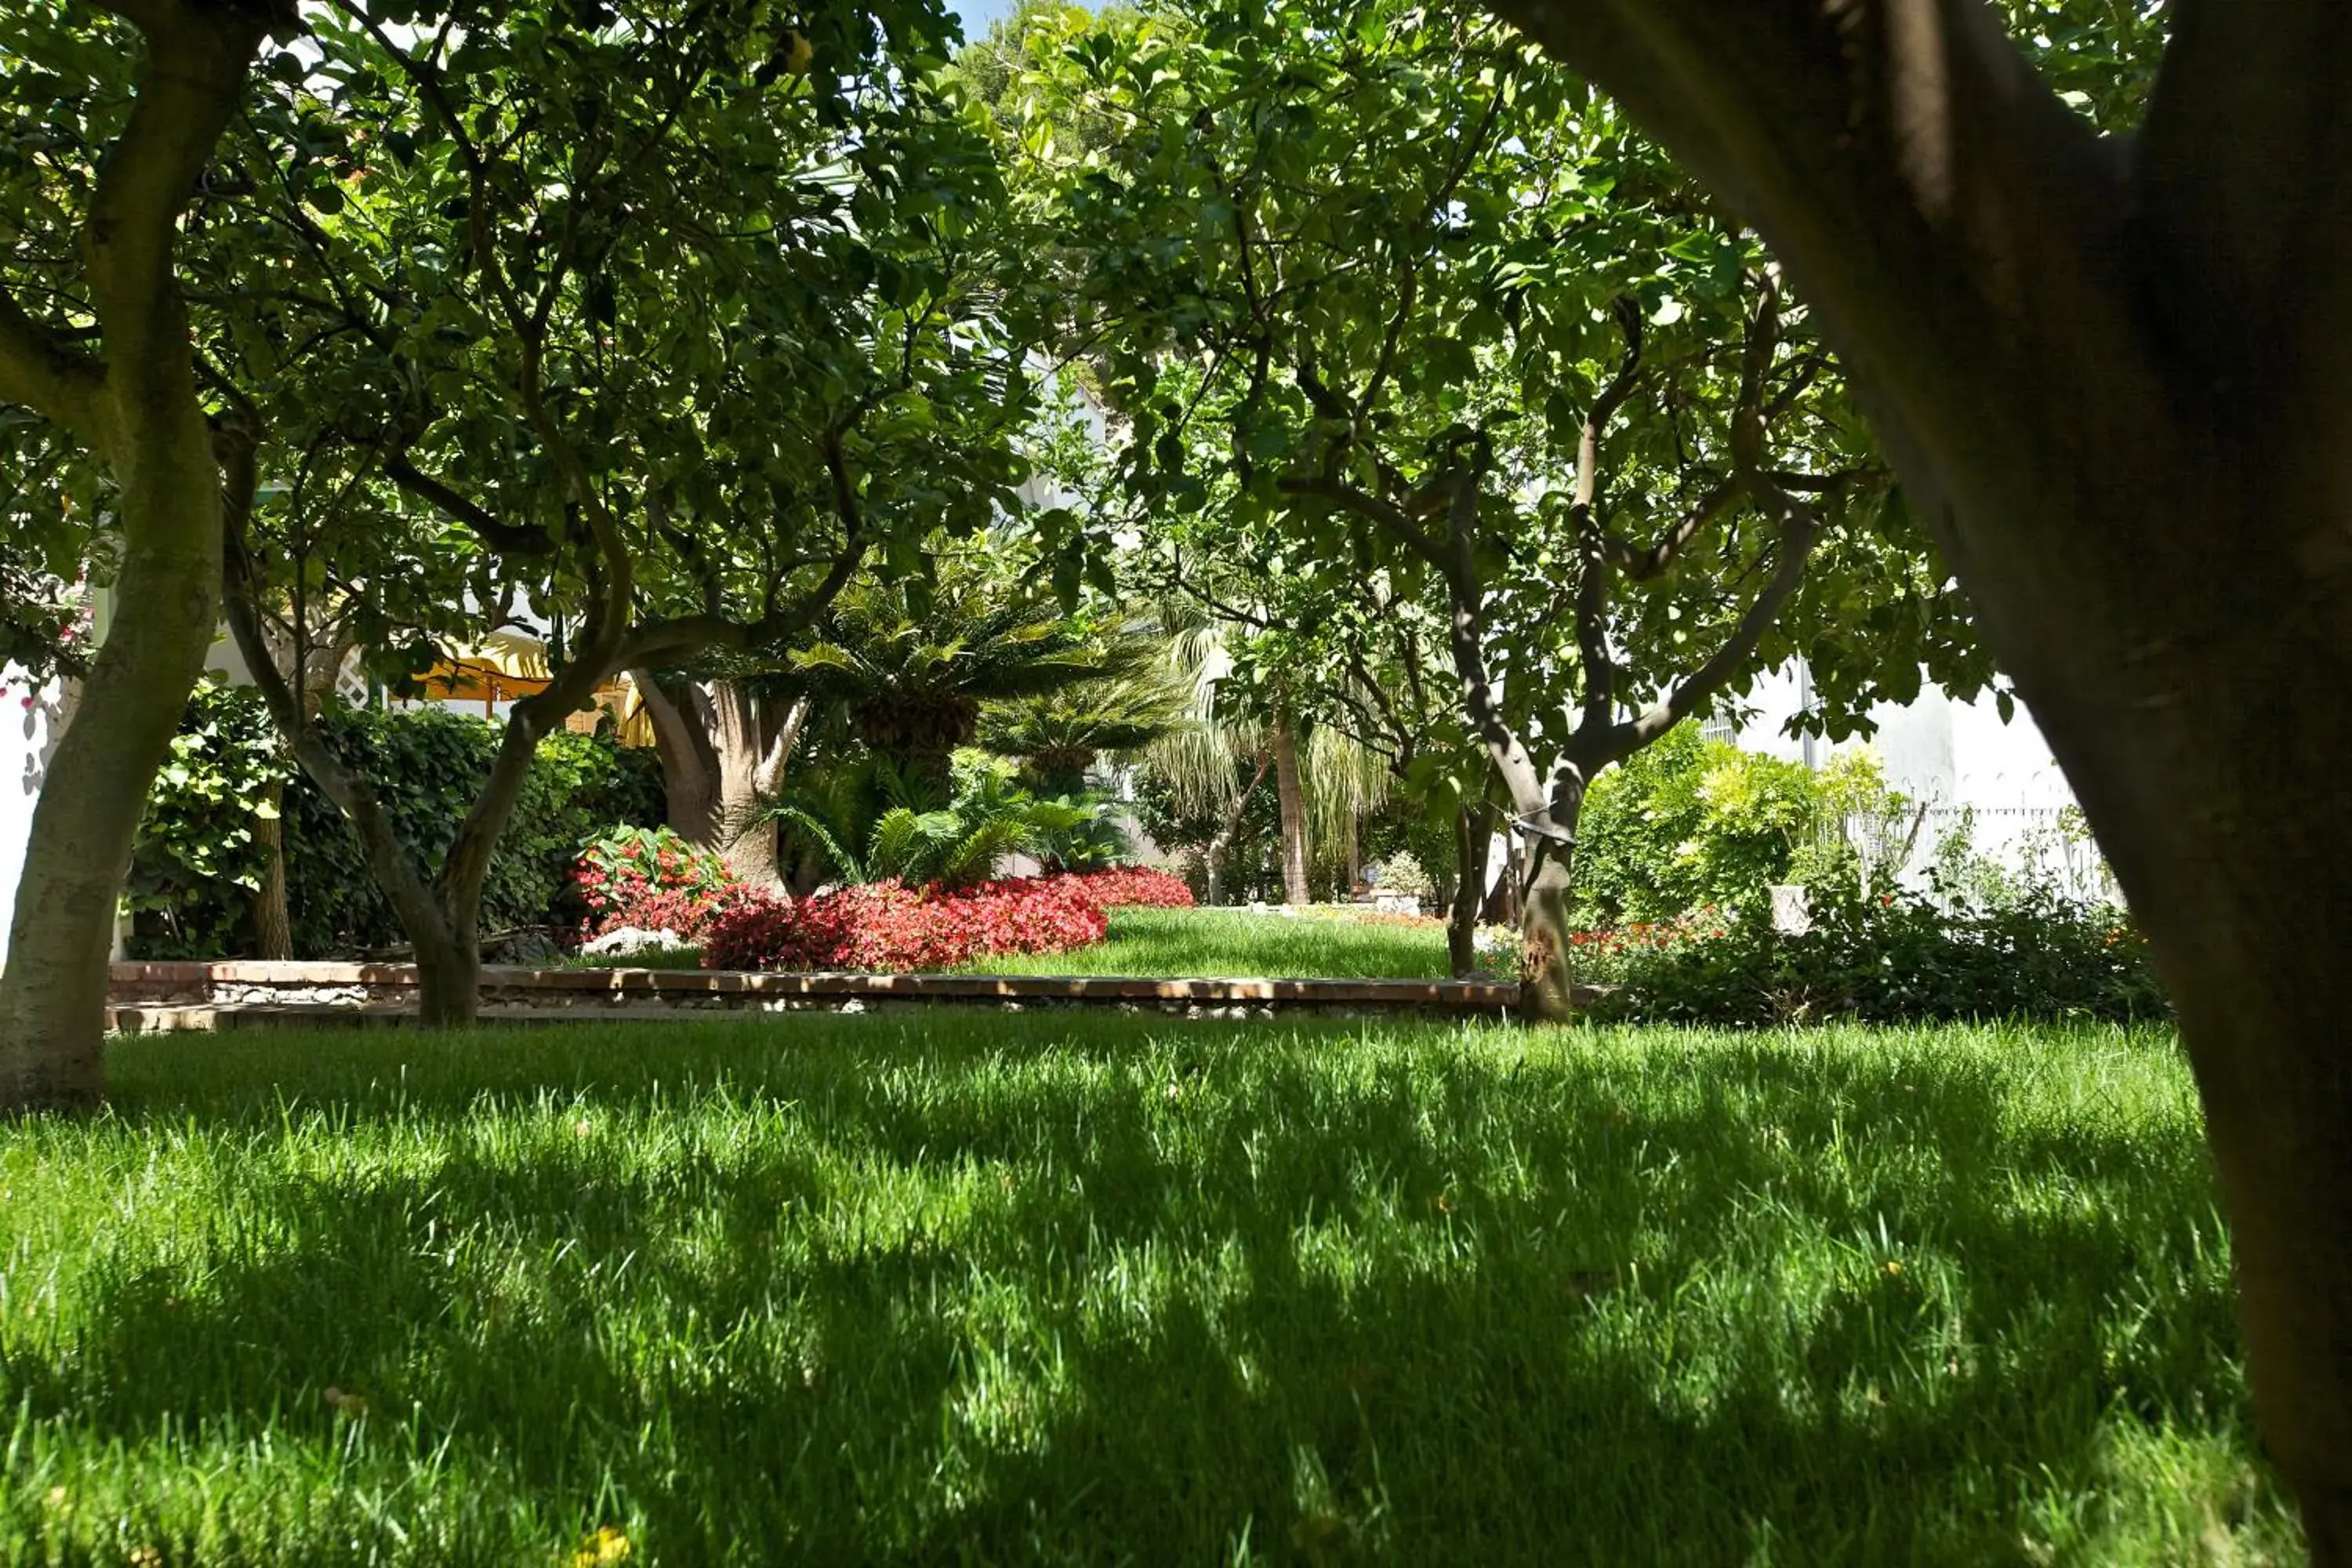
{"points": [[166, 996]]}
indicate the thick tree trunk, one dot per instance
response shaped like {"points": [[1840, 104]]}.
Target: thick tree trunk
{"points": [[1546, 976], [53, 991], [2109, 373], [1293, 797], [449, 978], [723, 753], [1547, 973], [273, 926], [139, 410]]}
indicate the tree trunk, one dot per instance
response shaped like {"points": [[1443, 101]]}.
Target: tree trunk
{"points": [[2109, 373], [1221, 847], [1473, 827], [449, 978], [1546, 973], [138, 410], [723, 753], [273, 927], [1295, 890], [1499, 905], [53, 991]]}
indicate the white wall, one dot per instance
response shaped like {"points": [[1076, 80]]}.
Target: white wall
{"points": [[28, 733], [1944, 754]]}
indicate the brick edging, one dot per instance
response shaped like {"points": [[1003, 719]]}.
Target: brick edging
{"points": [[353, 984]]}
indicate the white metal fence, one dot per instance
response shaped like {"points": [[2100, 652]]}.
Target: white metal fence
{"points": [[1973, 851]]}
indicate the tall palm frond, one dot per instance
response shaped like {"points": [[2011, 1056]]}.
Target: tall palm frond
{"points": [[1345, 783]]}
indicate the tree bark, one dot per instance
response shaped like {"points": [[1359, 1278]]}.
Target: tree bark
{"points": [[2108, 371], [723, 753], [53, 991], [273, 926], [1472, 830], [1221, 847], [138, 410], [1293, 798]]}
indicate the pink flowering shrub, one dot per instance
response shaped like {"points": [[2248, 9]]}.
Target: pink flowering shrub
{"points": [[890, 927], [651, 878], [1130, 886]]}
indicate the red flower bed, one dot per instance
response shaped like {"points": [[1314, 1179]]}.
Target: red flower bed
{"points": [[1131, 886], [890, 927], [655, 880]]}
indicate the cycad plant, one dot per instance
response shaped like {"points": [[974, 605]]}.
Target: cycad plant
{"points": [[921, 837], [913, 662]]}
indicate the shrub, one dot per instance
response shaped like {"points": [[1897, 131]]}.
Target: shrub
{"points": [[427, 764], [890, 927], [1403, 873], [1690, 822], [651, 880], [1895, 958], [195, 855], [922, 837], [1128, 887], [197, 862]]}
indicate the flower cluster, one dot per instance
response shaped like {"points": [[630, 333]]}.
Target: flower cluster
{"points": [[1653, 936], [650, 879], [1498, 948], [890, 927], [1132, 886]]}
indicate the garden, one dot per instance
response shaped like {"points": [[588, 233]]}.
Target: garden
{"points": [[549, 550]]}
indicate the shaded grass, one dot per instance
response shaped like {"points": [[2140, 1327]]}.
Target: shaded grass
{"points": [[963, 1286], [1213, 944]]}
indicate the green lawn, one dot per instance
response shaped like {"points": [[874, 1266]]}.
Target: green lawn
{"points": [[1218, 943], [966, 1286], [1202, 944]]}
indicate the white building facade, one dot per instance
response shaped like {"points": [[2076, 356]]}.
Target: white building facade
{"points": [[1969, 770]]}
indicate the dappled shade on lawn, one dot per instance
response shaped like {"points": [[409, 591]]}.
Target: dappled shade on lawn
{"points": [[1090, 1289]]}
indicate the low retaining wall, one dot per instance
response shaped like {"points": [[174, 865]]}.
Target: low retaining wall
{"points": [[188, 995]]}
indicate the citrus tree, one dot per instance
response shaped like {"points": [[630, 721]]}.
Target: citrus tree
{"points": [[651, 332], [1401, 317]]}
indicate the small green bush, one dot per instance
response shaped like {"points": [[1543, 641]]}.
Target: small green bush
{"points": [[195, 865], [1689, 823]]}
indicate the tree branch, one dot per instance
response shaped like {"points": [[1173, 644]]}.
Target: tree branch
{"points": [[1386, 514], [1797, 536], [351, 791], [54, 378], [509, 539], [1642, 565]]}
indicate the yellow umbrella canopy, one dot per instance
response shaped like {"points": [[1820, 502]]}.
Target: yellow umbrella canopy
{"points": [[503, 666], [506, 665]]}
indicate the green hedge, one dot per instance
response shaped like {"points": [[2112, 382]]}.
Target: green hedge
{"points": [[196, 863], [1899, 959]]}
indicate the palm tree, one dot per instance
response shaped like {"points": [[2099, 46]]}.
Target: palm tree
{"points": [[1215, 761]]}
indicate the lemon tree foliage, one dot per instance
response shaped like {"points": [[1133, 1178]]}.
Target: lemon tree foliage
{"points": [[1431, 370]]}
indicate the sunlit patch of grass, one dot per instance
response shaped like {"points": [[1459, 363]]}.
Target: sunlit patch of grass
{"points": [[1220, 944], [1076, 1288]]}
